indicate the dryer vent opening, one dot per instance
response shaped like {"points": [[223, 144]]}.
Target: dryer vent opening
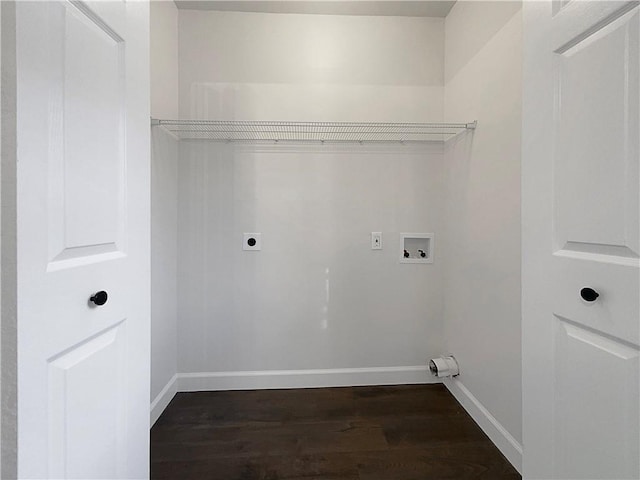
{"points": [[444, 366]]}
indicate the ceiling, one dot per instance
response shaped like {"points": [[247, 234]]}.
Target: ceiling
{"points": [[398, 8]]}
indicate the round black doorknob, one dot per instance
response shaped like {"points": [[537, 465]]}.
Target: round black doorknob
{"points": [[589, 294], [99, 298]]}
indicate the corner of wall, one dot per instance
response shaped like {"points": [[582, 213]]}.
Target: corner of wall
{"points": [[483, 82], [164, 158], [164, 59], [164, 253], [499, 435], [162, 400]]}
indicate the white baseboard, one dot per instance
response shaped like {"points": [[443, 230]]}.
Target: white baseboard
{"points": [[274, 379], [278, 379], [499, 435], [163, 398]]}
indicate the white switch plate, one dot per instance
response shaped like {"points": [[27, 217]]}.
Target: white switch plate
{"points": [[251, 241], [376, 240]]}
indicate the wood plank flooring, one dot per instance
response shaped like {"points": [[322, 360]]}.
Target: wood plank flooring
{"points": [[407, 432]]}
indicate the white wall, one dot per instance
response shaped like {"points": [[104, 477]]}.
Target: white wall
{"points": [[164, 257], [8, 257], [316, 296], [0, 232], [164, 204], [256, 66], [164, 59], [483, 52]]}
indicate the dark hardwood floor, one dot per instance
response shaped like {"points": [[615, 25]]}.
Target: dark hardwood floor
{"points": [[408, 432]]}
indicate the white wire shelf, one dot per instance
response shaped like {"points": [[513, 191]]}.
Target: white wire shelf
{"points": [[312, 132]]}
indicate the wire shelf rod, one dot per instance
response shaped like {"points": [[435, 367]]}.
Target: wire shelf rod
{"points": [[226, 130]]}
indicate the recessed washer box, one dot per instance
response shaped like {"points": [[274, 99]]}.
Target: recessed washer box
{"points": [[251, 241], [416, 248]]}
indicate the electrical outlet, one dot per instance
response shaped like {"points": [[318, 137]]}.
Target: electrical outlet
{"points": [[251, 241], [376, 240]]}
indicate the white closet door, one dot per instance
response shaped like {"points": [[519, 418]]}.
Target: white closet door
{"points": [[581, 248], [83, 227]]}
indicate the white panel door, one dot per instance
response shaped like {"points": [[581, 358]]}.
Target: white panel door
{"points": [[83, 228], [581, 247]]}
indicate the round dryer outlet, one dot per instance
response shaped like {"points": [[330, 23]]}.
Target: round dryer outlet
{"points": [[251, 241]]}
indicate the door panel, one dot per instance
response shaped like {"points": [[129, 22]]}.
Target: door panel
{"points": [[83, 226], [79, 418], [93, 137], [593, 369], [87, 153], [580, 192], [111, 15], [596, 200]]}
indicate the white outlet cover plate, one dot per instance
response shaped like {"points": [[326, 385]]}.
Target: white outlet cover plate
{"points": [[246, 241]]}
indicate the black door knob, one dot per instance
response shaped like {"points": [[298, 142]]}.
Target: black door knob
{"points": [[99, 298], [589, 294]]}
